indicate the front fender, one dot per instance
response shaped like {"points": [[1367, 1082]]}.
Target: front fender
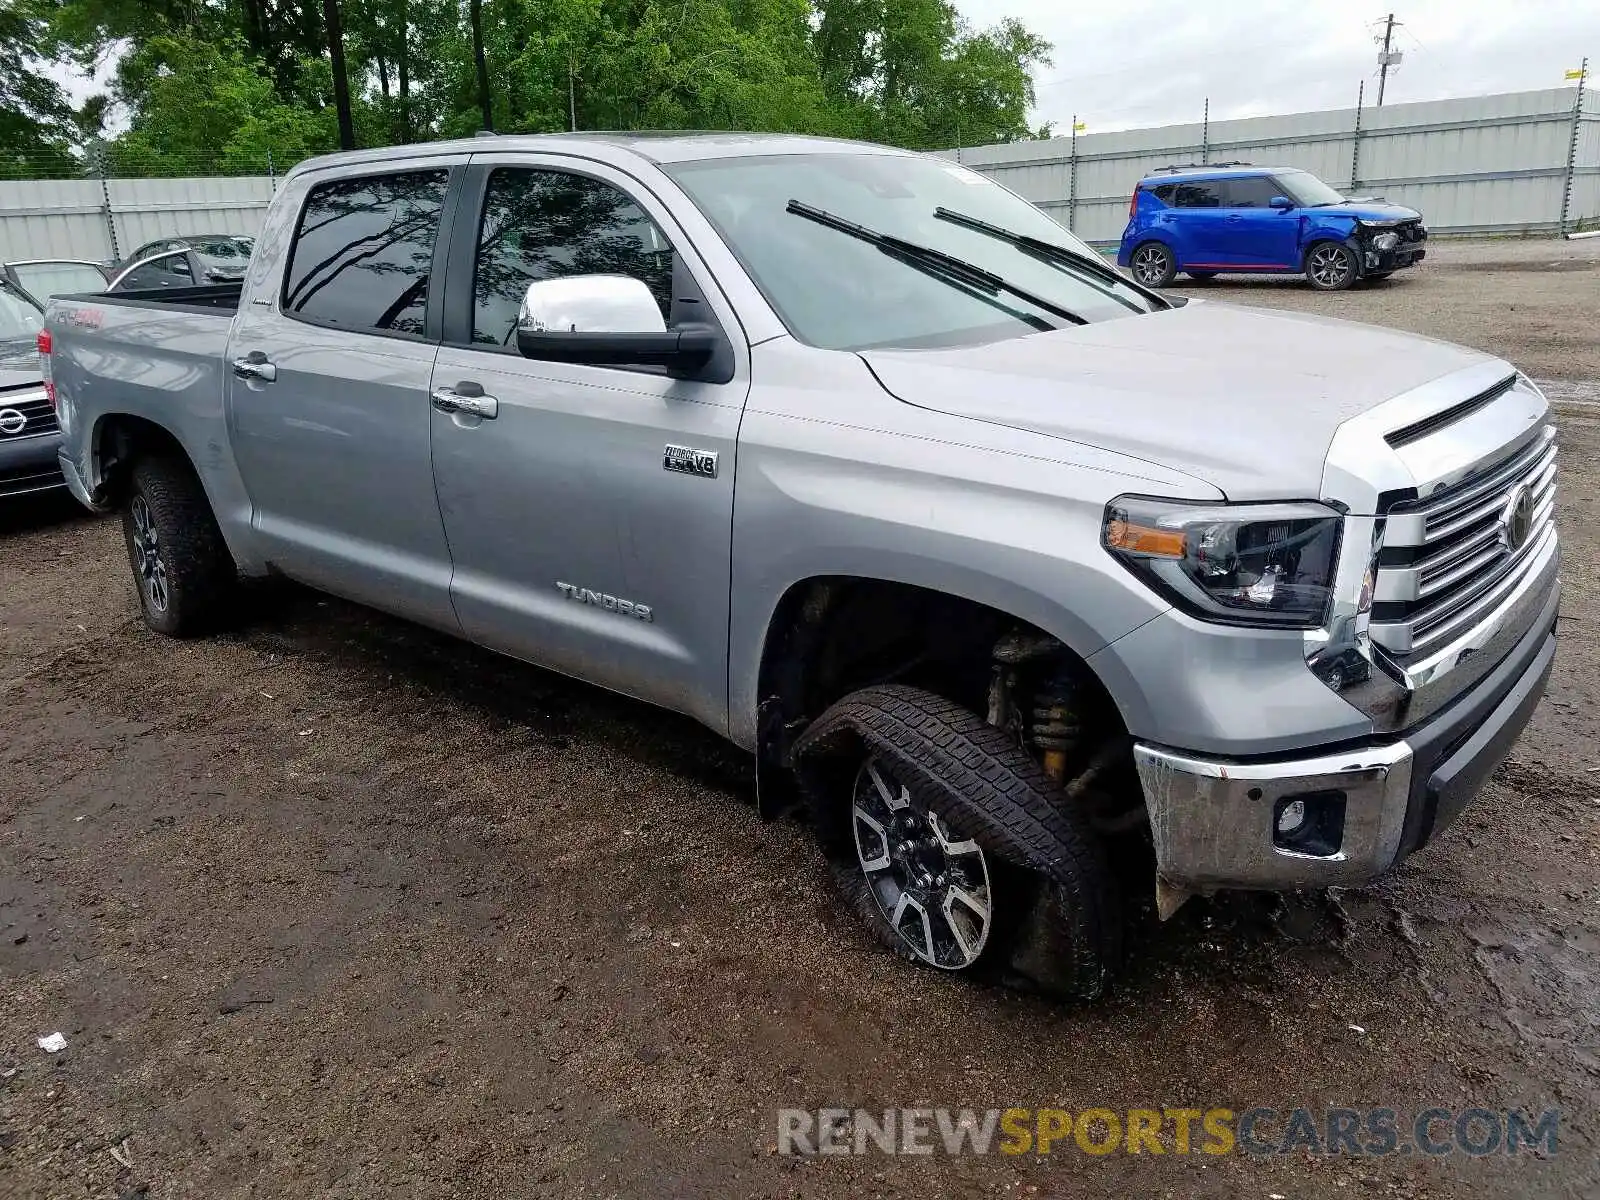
{"points": [[838, 480]]}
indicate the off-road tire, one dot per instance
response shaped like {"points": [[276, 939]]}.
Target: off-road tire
{"points": [[1057, 923], [1143, 261], [199, 577]]}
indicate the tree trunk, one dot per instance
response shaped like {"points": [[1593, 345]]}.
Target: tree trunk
{"points": [[341, 79], [476, 9]]}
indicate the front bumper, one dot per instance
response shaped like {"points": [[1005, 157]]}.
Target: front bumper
{"points": [[29, 465], [1213, 819], [1407, 254]]}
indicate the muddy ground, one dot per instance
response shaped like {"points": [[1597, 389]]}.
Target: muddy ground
{"points": [[333, 906]]}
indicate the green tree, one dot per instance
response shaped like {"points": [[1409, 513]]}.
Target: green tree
{"points": [[36, 122]]}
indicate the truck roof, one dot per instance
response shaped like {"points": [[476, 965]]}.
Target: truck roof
{"points": [[658, 146]]}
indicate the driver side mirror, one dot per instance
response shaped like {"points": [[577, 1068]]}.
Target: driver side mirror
{"points": [[1281, 203], [606, 320]]}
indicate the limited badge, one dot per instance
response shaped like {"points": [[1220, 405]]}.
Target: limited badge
{"points": [[689, 461]]}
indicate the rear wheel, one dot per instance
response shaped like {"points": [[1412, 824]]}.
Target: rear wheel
{"points": [[181, 565], [1330, 267], [1153, 264], [1201, 276], [953, 845]]}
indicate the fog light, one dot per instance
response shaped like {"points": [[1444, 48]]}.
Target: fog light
{"points": [[1292, 817], [1310, 823]]}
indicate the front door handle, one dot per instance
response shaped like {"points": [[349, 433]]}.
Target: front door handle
{"points": [[1234, 218], [467, 399], [255, 366]]}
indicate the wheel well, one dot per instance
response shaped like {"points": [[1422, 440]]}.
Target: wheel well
{"points": [[834, 635], [121, 440]]}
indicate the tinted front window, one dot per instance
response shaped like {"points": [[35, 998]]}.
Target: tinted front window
{"points": [[43, 280], [1255, 191], [364, 250], [1206, 194], [836, 291], [549, 224]]}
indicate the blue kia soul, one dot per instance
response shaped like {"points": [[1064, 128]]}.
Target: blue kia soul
{"points": [[1208, 220]]}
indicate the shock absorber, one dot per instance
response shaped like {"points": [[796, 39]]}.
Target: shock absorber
{"points": [[1053, 722], [1034, 694]]}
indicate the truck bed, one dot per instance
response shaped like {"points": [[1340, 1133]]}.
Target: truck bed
{"points": [[207, 298]]}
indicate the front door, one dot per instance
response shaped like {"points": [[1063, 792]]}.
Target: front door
{"points": [[328, 395], [590, 517], [1258, 235]]}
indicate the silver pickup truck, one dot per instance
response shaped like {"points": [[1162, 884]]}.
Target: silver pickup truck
{"points": [[1003, 566]]}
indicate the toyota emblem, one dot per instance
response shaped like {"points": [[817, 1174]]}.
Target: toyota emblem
{"points": [[1516, 519], [12, 421]]}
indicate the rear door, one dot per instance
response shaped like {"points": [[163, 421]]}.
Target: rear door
{"points": [[1200, 223], [579, 542], [328, 388], [1257, 234]]}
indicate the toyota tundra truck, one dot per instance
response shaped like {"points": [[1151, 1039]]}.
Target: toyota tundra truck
{"points": [[996, 561]]}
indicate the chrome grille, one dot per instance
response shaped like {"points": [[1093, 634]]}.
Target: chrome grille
{"points": [[1448, 560], [37, 415]]}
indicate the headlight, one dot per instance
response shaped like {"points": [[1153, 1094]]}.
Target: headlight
{"points": [[1386, 241], [1246, 564]]}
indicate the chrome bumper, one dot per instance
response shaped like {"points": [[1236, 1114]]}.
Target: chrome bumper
{"points": [[1213, 819]]}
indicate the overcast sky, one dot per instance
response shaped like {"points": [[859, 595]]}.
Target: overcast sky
{"points": [[1125, 63]]}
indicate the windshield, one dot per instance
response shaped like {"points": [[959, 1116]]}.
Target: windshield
{"points": [[19, 320], [1306, 190], [41, 280], [842, 293]]}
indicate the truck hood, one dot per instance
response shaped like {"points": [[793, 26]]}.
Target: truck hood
{"points": [[1244, 399]]}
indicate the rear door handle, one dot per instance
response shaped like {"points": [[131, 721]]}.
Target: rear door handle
{"points": [[255, 366], [1234, 217], [466, 398]]}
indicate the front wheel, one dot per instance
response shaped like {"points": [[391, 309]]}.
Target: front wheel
{"points": [[181, 565], [1153, 265], [1330, 267], [955, 848]]}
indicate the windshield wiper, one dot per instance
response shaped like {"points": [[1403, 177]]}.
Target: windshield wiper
{"points": [[933, 262], [1053, 253]]}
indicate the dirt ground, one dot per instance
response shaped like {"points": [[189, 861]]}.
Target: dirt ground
{"points": [[333, 906]]}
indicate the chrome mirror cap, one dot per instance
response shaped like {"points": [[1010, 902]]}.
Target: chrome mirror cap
{"points": [[590, 304]]}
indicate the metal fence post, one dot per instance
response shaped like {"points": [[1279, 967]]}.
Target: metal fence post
{"points": [[272, 176], [105, 203], [1572, 145], [1072, 174], [1355, 147], [1205, 134]]}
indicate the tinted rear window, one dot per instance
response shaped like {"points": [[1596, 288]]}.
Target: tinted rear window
{"points": [[1252, 191], [1205, 193], [364, 250]]}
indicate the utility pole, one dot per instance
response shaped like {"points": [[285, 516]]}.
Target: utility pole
{"points": [[1383, 59], [572, 95]]}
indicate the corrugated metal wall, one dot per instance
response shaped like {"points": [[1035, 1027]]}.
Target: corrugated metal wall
{"points": [[1482, 164], [74, 218]]}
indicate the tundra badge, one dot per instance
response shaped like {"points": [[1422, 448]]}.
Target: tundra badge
{"points": [[690, 461], [606, 601]]}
